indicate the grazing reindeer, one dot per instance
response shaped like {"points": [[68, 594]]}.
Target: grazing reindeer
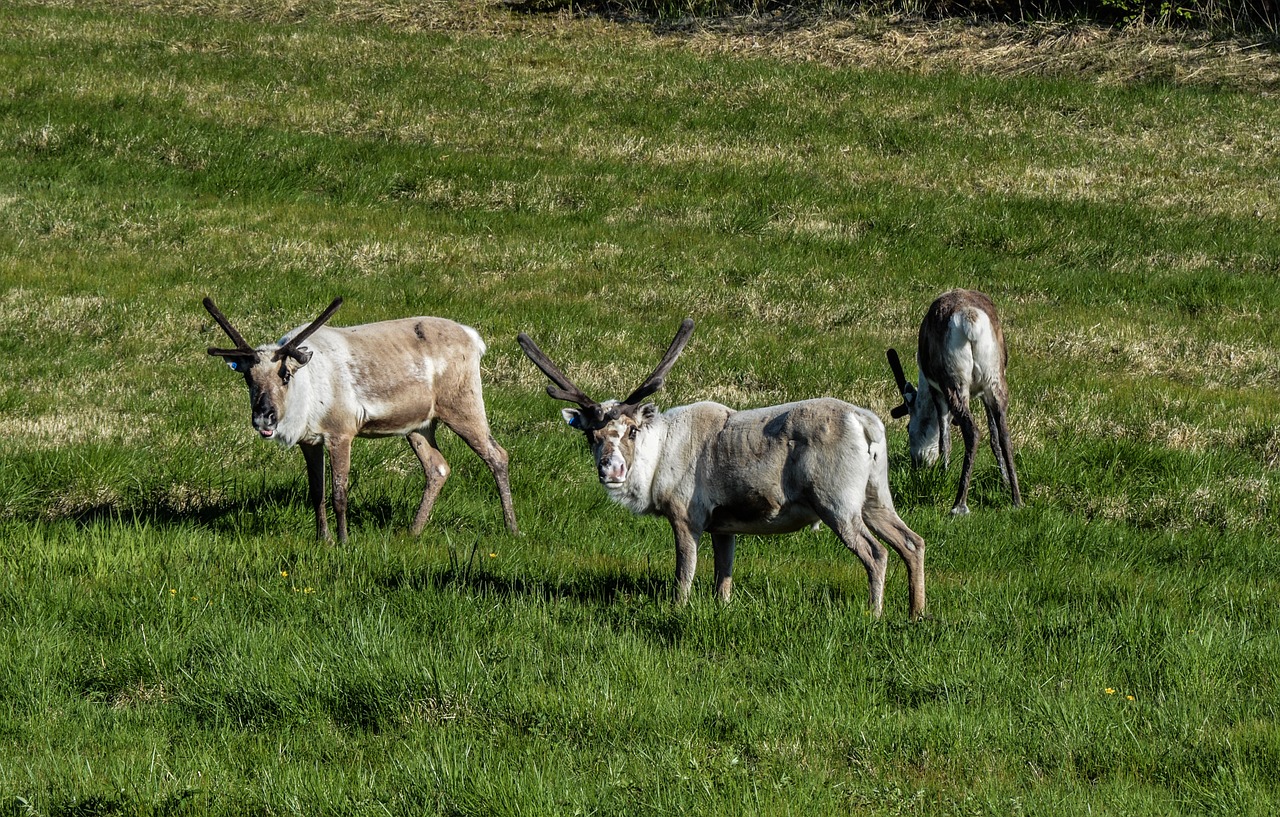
{"points": [[961, 354], [706, 467], [396, 378]]}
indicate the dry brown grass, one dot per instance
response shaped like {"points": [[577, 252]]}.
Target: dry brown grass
{"points": [[1108, 55], [1135, 53]]}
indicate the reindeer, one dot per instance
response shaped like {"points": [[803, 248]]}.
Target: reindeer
{"points": [[961, 354], [708, 468], [397, 378]]}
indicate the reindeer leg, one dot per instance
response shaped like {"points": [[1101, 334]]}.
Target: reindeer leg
{"points": [[724, 547], [1002, 447], [862, 544], [498, 463], [968, 430], [944, 429], [686, 557], [314, 456], [340, 465], [874, 558], [993, 427], [880, 515], [474, 431], [434, 467]]}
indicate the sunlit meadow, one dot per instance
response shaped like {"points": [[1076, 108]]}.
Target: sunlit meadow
{"points": [[174, 641]]}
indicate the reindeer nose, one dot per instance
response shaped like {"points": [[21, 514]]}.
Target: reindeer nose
{"points": [[613, 469], [265, 422]]}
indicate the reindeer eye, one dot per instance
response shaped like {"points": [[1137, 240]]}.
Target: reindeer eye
{"points": [[631, 434]]}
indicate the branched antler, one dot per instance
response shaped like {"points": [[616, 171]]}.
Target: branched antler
{"points": [[242, 346], [654, 381], [564, 388], [294, 348], [907, 390]]}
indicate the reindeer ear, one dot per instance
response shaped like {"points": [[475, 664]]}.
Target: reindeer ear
{"points": [[235, 360], [573, 417], [647, 413]]}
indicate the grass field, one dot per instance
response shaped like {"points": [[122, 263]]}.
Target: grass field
{"points": [[175, 642]]}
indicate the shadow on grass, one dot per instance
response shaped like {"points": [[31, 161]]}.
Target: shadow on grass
{"points": [[602, 588], [257, 512], [185, 801]]}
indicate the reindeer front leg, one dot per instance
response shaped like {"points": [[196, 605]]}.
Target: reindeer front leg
{"points": [[724, 546], [314, 456], [686, 556], [340, 465]]}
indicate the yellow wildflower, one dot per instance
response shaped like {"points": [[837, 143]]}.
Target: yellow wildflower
{"points": [[1110, 691]]}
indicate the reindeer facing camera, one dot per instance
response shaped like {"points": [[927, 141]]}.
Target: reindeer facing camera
{"points": [[961, 354], [397, 378], [708, 468]]}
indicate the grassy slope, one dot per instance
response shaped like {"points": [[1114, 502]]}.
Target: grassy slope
{"points": [[177, 643]]}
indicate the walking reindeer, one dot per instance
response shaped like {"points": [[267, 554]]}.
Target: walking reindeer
{"points": [[961, 354], [397, 378], [708, 468]]}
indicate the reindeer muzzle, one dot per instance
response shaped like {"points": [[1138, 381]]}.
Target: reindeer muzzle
{"points": [[612, 471]]}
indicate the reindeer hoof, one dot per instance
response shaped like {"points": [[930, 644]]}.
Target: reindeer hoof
{"points": [[960, 510]]}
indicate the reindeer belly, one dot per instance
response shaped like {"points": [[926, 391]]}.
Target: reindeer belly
{"points": [[756, 514], [394, 422]]}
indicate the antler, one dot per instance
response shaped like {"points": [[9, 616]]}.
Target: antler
{"points": [[565, 389], [293, 347], [242, 346], [904, 387], [654, 381]]}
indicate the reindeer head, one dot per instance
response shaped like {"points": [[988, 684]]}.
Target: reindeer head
{"points": [[924, 425], [267, 369], [611, 427]]}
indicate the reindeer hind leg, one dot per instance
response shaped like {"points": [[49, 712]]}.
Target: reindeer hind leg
{"points": [[969, 431], [434, 467], [1002, 447], [944, 429], [855, 536], [474, 431], [879, 514]]}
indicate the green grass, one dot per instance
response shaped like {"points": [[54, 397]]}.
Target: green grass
{"points": [[175, 642]]}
